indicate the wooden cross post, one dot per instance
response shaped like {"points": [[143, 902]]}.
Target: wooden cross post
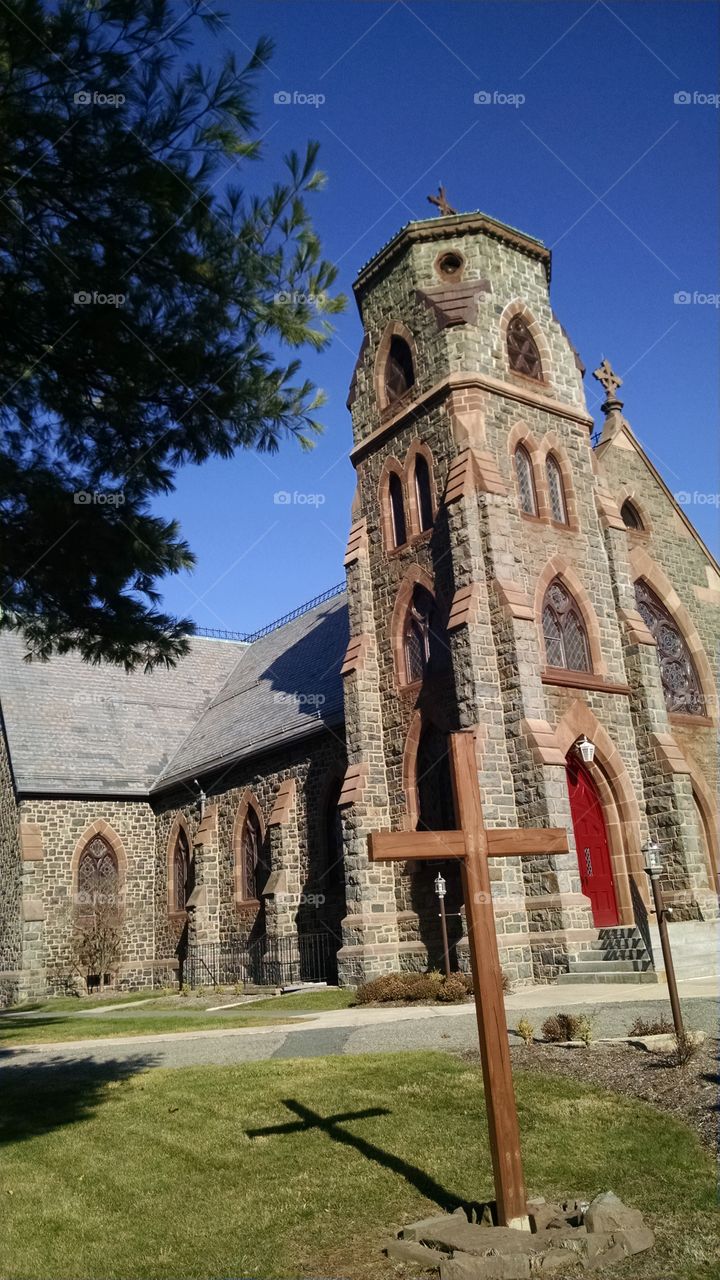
{"points": [[473, 845]]}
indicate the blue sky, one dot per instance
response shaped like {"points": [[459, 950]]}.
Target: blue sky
{"points": [[599, 161]]}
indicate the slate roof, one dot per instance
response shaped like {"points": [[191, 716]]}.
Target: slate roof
{"points": [[284, 686], [75, 729], [83, 730]]}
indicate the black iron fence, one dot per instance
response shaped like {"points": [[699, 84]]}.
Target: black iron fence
{"points": [[269, 962]]}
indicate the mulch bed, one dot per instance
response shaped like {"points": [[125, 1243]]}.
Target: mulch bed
{"points": [[691, 1092]]}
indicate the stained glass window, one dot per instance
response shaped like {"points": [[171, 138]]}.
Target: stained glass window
{"points": [[427, 651], [423, 492], [523, 354], [526, 485], [629, 513], [397, 510], [680, 682], [183, 872], [566, 643], [399, 371], [255, 866], [97, 877], [556, 491]]}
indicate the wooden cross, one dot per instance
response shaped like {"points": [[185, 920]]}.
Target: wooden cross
{"points": [[441, 200], [473, 844], [609, 379]]}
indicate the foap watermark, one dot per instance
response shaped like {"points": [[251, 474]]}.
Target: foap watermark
{"points": [[685, 298], [98, 498], [687, 499], [300, 699], [296, 98], [84, 298], [283, 498], [497, 98], [93, 98], [296, 298], [684, 98]]}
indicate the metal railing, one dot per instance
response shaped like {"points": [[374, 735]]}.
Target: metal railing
{"points": [[248, 637], [268, 962]]}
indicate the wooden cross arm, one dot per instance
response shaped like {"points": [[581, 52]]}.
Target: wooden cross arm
{"points": [[512, 842]]}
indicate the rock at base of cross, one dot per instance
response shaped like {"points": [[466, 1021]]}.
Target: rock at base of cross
{"points": [[564, 1239]]}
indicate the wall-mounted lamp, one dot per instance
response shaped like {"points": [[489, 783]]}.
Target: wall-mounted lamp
{"points": [[586, 749]]}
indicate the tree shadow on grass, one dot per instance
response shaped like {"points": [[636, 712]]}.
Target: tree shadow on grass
{"points": [[308, 1120], [37, 1097]]}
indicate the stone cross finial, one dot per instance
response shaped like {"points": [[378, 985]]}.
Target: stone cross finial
{"points": [[609, 380], [441, 200]]}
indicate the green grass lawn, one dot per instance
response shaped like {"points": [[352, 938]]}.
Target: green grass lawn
{"points": [[73, 1004], [15, 1032], [222, 1171], [310, 1001]]}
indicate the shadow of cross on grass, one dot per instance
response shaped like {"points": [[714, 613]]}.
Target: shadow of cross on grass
{"points": [[331, 1125]]}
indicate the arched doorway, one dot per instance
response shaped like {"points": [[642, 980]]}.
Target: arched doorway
{"points": [[591, 842], [436, 812]]}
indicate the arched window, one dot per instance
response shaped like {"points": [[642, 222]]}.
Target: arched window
{"points": [[566, 642], [183, 872], [255, 864], [523, 354], [424, 641], [556, 490], [397, 510], [436, 808], [423, 492], [97, 886], [630, 515], [525, 482], [399, 371], [680, 682]]}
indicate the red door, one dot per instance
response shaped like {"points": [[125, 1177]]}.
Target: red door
{"points": [[592, 846]]}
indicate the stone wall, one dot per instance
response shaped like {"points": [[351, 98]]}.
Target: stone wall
{"points": [[10, 883]]}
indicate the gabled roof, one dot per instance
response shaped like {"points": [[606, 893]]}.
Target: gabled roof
{"points": [[285, 686], [610, 437], [78, 729]]}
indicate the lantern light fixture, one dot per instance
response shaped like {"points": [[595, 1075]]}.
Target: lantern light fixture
{"points": [[653, 860], [586, 749], [440, 885]]}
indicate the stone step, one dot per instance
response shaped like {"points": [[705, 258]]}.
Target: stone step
{"points": [[613, 953], [601, 975], [608, 966]]}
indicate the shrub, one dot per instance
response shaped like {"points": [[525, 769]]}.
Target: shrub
{"points": [[185, 990], [562, 1026], [584, 1029], [414, 987], [658, 1027], [687, 1046], [199, 992], [526, 1030]]}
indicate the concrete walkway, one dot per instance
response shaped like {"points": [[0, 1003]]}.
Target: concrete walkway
{"points": [[308, 1034]]}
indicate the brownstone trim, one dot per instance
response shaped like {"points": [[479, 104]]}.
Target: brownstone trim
{"points": [[551, 446], [179, 822], [285, 797], [100, 828], [559, 567], [642, 566], [31, 841], [457, 381], [248, 800], [354, 783], [395, 328], [515, 602], [627, 494], [582, 680], [540, 737], [415, 576], [520, 308], [707, 806], [355, 654], [607, 509], [692, 722], [617, 794], [391, 466], [669, 754], [418, 448], [357, 543], [465, 607], [636, 630]]}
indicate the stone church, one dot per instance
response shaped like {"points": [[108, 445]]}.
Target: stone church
{"points": [[509, 570]]}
